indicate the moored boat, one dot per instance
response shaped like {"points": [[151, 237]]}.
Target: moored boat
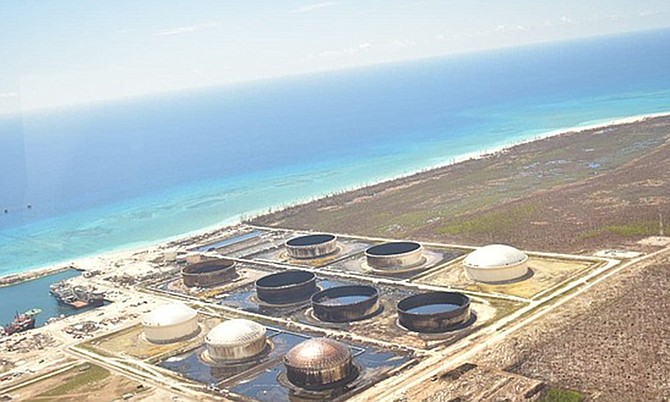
{"points": [[22, 322], [76, 296]]}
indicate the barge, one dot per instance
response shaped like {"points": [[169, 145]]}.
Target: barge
{"points": [[76, 296], [22, 322]]}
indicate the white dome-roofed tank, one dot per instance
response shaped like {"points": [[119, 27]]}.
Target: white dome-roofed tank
{"points": [[235, 340], [496, 263], [169, 323]]}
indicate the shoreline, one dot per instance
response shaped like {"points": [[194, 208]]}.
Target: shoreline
{"points": [[12, 279], [230, 223]]}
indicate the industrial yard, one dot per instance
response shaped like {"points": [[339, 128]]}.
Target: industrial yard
{"points": [[274, 310], [220, 319]]}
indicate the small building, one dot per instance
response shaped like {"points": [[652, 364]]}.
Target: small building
{"points": [[169, 323], [496, 263]]}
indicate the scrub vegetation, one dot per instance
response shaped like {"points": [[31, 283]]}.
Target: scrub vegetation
{"points": [[646, 228], [85, 376], [561, 395], [573, 192], [489, 222]]}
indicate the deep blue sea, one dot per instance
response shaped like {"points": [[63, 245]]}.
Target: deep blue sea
{"points": [[126, 173]]}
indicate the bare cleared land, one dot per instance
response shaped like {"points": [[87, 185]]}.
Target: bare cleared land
{"points": [[131, 341], [84, 383], [548, 274], [470, 382], [612, 343], [574, 192]]}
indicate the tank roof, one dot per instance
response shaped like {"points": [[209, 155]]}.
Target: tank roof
{"points": [[393, 248], [208, 266], [235, 332], [285, 279], [317, 354], [310, 239], [169, 314], [495, 256]]}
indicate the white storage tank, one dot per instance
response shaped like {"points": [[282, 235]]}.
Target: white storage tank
{"points": [[496, 263], [235, 340], [193, 258], [169, 323], [170, 255]]}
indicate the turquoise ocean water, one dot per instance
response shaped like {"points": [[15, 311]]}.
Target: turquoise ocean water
{"points": [[108, 176], [15, 301]]}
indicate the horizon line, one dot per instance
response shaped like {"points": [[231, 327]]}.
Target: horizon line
{"points": [[317, 72]]}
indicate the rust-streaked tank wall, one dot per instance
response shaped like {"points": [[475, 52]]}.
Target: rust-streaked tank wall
{"points": [[319, 363], [434, 322], [209, 273], [394, 255], [286, 287], [311, 246], [359, 310], [235, 340]]}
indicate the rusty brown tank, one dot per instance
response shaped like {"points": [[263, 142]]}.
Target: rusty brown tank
{"points": [[320, 363], [209, 273], [434, 312], [292, 286], [346, 303]]}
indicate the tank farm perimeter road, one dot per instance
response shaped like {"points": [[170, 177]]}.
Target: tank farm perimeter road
{"points": [[261, 312]]}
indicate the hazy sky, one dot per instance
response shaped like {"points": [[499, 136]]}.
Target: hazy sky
{"points": [[71, 51]]}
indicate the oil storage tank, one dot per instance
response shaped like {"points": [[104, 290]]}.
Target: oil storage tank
{"points": [[235, 340], [319, 363], [434, 311], [209, 273], [496, 263], [346, 303], [286, 287], [311, 246], [395, 256], [169, 323]]}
